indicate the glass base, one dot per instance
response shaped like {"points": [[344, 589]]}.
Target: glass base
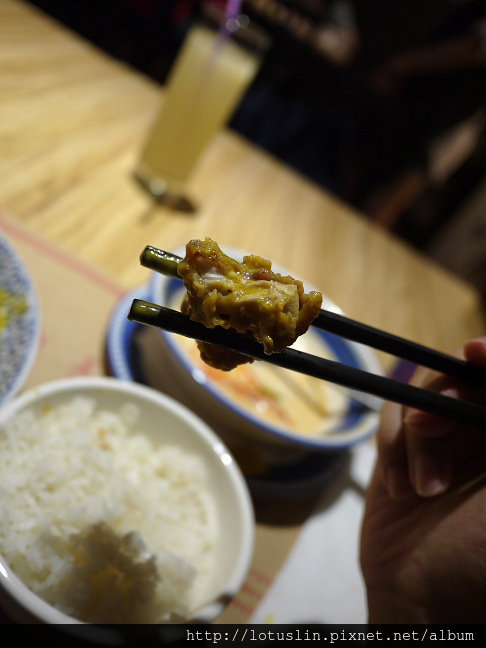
{"points": [[159, 191]]}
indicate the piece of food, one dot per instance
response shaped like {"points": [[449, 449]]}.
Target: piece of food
{"points": [[247, 296]]}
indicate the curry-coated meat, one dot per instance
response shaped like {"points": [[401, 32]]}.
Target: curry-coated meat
{"points": [[247, 296]]}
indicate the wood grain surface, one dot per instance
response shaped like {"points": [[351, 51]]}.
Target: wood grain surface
{"points": [[72, 123]]}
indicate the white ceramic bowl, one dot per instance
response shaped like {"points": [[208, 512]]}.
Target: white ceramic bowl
{"points": [[351, 425], [164, 421]]}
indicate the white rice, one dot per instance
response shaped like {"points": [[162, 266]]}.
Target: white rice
{"points": [[98, 521]]}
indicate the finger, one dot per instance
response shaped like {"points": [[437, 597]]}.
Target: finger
{"points": [[428, 457], [392, 452], [475, 351], [429, 462], [409, 457], [426, 424], [412, 458], [423, 423]]}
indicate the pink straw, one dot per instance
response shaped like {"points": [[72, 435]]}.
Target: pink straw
{"points": [[224, 34], [232, 9], [232, 12]]}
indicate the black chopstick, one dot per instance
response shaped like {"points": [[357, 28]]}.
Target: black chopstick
{"points": [[401, 348], [166, 263], [175, 322]]}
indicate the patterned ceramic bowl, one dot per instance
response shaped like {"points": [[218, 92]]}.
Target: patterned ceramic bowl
{"points": [[19, 322]]}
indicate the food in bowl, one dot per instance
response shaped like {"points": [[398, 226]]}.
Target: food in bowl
{"points": [[284, 399], [99, 521], [11, 306], [247, 296]]}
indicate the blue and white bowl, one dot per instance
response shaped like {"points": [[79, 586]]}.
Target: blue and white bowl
{"points": [[20, 337], [346, 423]]}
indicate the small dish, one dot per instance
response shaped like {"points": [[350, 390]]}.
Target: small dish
{"points": [[19, 322]]}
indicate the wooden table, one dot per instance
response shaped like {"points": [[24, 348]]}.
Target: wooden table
{"points": [[72, 123]]}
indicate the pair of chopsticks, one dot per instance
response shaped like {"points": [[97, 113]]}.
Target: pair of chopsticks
{"points": [[352, 378]]}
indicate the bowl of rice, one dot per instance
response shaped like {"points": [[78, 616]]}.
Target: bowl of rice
{"points": [[117, 506]]}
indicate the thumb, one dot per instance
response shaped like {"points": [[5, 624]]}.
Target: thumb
{"points": [[475, 351]]}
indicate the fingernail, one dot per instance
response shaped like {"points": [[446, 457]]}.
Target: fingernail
{"points": [[430, 475], [451, 392], [397, 483]]}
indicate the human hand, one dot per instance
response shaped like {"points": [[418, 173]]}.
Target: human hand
{"points": [[423, 543]]}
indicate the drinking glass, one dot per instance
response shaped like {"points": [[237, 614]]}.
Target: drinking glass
{"points": [[218, 60]]}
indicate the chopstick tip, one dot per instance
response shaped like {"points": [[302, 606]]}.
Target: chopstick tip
{"points": [[139, 308], [147, 253], [160, 261]]}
